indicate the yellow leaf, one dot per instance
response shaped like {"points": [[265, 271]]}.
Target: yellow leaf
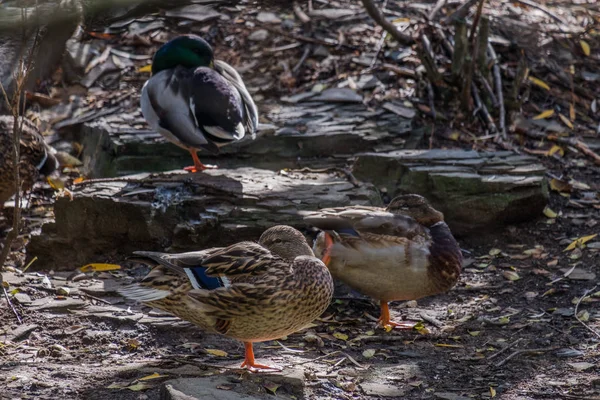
{"points": [[453, 346], [99, 267], [544, 114], [474, 333], [492, 392], [341, 336], [155, 375], [539, 82], [55, 183], [580, 242], [555, 149], [549, 213], [583, 315], [454, 135], [549, 292], [145, 68], [565, 120], [585, 47], [494, 252], [79, 180], [216, 352], [560, 186], [511, 275], [572, 112]]}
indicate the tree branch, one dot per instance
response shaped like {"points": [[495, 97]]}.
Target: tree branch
{"points": [[389, 27]]}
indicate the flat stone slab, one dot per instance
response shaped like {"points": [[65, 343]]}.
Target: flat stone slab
{"points": [[121, 143], [184, 212], [475, 190], [288, 384]]}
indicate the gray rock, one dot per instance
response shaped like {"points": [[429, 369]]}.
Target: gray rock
{"points": [[475, 191], [268, 18], [402, 111], [50, 304], [259, 35], [181, 211], [339, 95], [332, 13], [22, 298], [21, 332], [200, 389], [381, 389], [367, 82]]}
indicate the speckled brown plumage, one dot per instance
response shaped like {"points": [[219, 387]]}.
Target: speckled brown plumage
{"points": [[269, 289], [403, 252], [35, 156]]}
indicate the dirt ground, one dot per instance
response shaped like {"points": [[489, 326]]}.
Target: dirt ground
{"points": [[507, 330], [522, 323]]}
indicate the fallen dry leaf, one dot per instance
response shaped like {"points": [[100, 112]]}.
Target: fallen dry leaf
{"points": [[580, 242]]}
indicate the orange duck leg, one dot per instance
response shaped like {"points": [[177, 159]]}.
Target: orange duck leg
{"points": [[384, 319], [250, 364], [198, 166]]}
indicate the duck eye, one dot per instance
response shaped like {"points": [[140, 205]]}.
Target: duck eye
{"points": [[278, 241]]}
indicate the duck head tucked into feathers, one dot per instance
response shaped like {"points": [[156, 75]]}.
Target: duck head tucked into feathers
{"points": [[195, 101], [189, 51]]}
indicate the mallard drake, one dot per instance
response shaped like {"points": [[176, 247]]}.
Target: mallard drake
{"points": [[249, 291], [403, 252], [195, 101], [35, 156]]}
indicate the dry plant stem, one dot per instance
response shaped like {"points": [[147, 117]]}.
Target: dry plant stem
{"points": [[510, 346], [380, 19], [301, 14], [482, 109], [461, 48], [589, 328], [438, 6], [15, 107], [543, 9], [380, 43], [11, 306], [499, 94], [460, 13], [476, 24], [296, 69], [525, 351], [482, 44], [427, 59]]}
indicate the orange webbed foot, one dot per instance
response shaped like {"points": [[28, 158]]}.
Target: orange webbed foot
{"points": [[387, 323], [251, 365], [198, 166]]}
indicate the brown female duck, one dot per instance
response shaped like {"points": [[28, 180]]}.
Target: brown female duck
{"points": [[35, 156], [249, 291], [403, 252]]}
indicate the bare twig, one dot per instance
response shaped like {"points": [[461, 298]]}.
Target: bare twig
{"points": [[460, 13], [510, 346], [579, 319], [525, 351], [15, 107], [380, 19], [438, 6], [499, 94], [301, 14], [11, 306], [543, 9], [296, 69]]}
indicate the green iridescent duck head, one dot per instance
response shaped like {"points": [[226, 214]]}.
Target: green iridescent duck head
{"points": [[189, 51]]}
